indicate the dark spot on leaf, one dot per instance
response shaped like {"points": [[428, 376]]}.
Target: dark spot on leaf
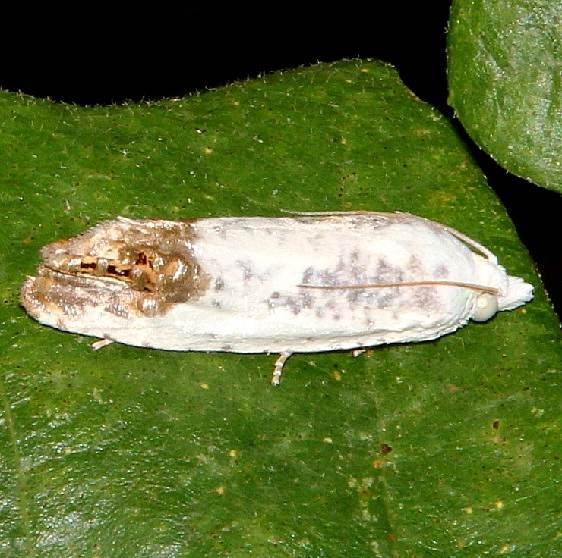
{"points": [[385, 449]]}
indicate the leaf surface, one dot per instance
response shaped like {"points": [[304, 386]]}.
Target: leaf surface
{"points": [[449, 447], [505, 83]]}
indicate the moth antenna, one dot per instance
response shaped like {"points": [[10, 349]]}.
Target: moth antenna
{"points": [[491, 257], [461, 284]]}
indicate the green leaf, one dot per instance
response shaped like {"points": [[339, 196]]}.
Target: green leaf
{"points": [[449, 447], [505, 82]]}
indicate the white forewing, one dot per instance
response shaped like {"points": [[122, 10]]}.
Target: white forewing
{"points": [[293, 284], [262, 265]]}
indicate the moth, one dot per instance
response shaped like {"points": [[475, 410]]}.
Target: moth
{"points": [[305, 283]]}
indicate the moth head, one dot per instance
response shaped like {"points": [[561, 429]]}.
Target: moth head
{"points": [[500, 291], [485, 307], [516, 293]]}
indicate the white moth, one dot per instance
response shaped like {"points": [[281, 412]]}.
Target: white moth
{"points": [[314, 282]]}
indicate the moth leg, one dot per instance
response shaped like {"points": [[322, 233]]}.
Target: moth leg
{"points": [[100, 344], [279, 363]]}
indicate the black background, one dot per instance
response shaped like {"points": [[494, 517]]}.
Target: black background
{"points": [[99, 57]]}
